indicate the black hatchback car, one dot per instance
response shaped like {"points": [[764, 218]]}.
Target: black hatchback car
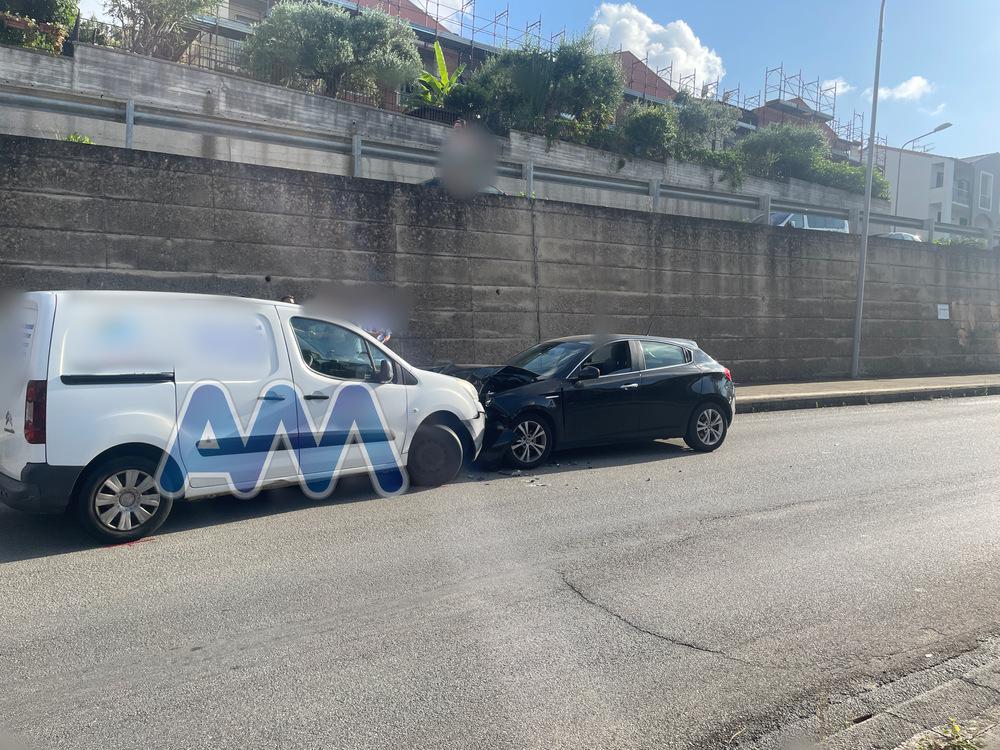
{"points": [[594, 390]]}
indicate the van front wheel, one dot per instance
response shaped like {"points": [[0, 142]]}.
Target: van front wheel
{"points": [[435, 456], [119, 501]]}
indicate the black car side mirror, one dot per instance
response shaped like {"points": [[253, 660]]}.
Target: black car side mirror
{"points": [[588, 373]]}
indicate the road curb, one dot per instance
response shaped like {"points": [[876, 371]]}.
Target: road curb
{"points": [[819, 401], [897, 713]]}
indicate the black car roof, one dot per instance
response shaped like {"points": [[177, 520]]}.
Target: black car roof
{"points": [[593, 337]]}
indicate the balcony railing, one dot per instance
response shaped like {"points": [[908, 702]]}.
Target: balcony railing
{"points": [[961, 195]]}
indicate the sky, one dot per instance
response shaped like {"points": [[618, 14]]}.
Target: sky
{"points": [[941, 61]]}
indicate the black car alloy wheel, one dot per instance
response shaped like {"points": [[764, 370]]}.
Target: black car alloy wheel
{"points": [[532, 442], [707, 429]]}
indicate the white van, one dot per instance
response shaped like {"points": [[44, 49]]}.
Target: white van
{"points": [[96, 386]]}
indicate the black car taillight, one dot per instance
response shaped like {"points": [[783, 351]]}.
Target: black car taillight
{"points": [[34, 411]]}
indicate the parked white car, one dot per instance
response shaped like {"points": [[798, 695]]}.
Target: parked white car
{"points": [[100, 386], [816, 222], [905, 236]]}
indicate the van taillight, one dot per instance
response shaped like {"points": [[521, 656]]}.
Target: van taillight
{"points": [[34, 412], [729, 375]]}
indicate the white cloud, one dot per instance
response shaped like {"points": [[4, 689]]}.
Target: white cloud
{"points": [[913, 88], [934, 112], [842, 86], [624, 25]]}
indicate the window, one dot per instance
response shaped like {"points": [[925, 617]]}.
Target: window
{"points": [[938, 179], [658, 354], [378, 357], [611, 359], [827, 222], [545, 360], [333, 351], [775, 218], [986, 191], [960, 192], [798, 221]]}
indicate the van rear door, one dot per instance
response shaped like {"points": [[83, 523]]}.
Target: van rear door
{"points": [[25, 334]]}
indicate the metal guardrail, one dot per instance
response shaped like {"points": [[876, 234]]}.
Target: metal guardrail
{"points": [[131, 115]]}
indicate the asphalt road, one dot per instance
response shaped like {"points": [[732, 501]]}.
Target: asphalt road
{"points": [[643, 596]]}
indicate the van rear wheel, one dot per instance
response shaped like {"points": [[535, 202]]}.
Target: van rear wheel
{"points": [[119, 501]]}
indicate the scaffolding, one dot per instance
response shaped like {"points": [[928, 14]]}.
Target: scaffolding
{"points": [[881, 150], [780, 86], [851, 129], [460, 17], [688, 83]]}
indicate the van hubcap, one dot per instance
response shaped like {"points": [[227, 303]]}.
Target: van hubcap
{"points": [[529, 442], [709, 427], [126, 500]]}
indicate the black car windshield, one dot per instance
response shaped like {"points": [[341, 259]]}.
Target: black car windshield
{"points": [[545, 360]]}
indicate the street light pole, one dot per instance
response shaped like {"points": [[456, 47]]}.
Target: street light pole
{"points": [[899, 164], [869, 174]]}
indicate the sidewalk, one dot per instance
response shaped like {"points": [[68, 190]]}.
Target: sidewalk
{"points": [[783, 396]]}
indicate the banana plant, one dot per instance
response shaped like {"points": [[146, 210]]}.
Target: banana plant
{"points": [[433, 89]]}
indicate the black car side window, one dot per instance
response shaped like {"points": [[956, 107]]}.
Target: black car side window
{"points": [[659, 354], [611, 359]]}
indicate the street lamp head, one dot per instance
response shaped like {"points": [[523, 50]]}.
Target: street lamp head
{"points": [[942, 126]]}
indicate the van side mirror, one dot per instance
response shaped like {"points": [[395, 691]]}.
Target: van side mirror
{"points": [[588, 373], [385, 372]]}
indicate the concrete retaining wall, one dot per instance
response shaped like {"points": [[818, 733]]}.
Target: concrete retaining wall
{"points": [[96, 71], [494, 274]]}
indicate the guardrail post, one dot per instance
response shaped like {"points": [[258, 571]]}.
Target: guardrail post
{"points": [[854, 219], [356, 155], [929, 228], [529, 179], [129, 122], [654, 195], [764, 204]]}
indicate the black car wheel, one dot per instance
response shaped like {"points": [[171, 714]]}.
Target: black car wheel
{"points": [[707, 428], [119, 501], [532, 442], [435, 456]]}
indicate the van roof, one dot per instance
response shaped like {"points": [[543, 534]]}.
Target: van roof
{"points": [[86, 293]]}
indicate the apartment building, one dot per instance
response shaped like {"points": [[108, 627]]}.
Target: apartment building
{"points": [[945, 189]]}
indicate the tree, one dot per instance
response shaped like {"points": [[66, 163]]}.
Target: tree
{"points": [[434, 89], [646, 132], [37, 24], [311, 41], [156, 27], [570, 93], [782, 151], [44, 11], [702, 125], [779, 152]]}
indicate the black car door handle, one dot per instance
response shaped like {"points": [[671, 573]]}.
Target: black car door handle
{"points": [[629, 387], [317, 397], [270, 397]]}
